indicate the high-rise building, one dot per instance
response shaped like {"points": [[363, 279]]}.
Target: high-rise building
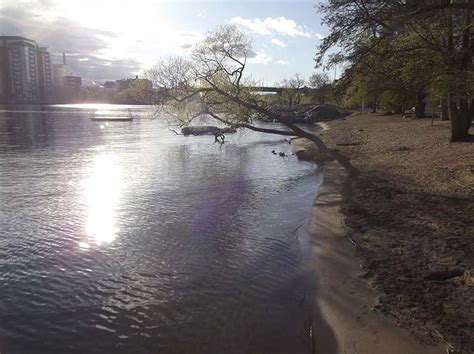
{"points": [[44, 73], [25, 70], [59, 72]]}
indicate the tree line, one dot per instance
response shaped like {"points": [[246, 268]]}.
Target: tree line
{"points": [[401, 53], [126, 91], [297, 89]]}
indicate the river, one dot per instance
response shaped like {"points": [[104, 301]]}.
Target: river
{"points": [[123, 237]]}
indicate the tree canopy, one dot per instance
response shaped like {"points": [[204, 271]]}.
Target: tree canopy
{"points": [[401, 52], [321, 82]]}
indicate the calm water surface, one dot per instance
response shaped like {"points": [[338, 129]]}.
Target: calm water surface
{"points": [[126, 238]]}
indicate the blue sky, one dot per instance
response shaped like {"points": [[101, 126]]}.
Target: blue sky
{"points": [[112, 39]]}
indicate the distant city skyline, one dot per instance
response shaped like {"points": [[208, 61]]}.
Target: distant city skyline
{"points": [[109, 40]]}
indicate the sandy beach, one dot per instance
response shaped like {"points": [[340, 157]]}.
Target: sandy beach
{"points": [[393, 247]]}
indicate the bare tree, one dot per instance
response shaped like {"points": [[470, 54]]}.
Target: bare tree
{"points": [[320, 81], [293, 89], [211, 83]]}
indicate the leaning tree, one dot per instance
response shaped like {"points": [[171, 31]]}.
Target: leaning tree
{"points": [[211, 82]]}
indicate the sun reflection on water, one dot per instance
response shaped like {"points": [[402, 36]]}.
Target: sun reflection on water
{"points": [[103, 191]]}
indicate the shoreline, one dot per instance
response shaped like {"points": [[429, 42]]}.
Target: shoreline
{"points": [[405, 230], [343, 316]]}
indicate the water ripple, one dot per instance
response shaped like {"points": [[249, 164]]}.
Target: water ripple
{"points": [[131, 239]]}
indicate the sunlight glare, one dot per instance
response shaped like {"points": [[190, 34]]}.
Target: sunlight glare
{"points": [[103, 195]]}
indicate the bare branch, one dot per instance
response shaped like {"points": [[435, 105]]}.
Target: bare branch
{"points": [[211, 83]]}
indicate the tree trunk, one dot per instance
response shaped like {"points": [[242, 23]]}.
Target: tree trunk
{"points": [[464, 114], [321, 95], [298, 98], [343, 160], [420, 110], [471, 115], [374, 107], [444, 109], [466, 118], [461, 118], [420, 107], [457, 125]]}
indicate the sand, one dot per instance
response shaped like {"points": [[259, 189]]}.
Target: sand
{"points": [[344, 320], [403, 252]]}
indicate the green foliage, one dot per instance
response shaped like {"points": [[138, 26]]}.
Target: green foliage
{"points": [[399, 53], [320, 82], [355, 94]]}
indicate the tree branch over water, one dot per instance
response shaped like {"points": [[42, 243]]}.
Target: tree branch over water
{"points": [[211, 82]]}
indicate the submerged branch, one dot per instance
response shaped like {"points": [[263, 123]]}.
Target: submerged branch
{"points": [[343, 160], [174, 131], [266, 130]]}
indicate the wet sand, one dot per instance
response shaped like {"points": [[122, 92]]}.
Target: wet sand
{"points": [[410, 217], [344, 320], [394, 253]]}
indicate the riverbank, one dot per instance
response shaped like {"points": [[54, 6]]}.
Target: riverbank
{"points": [[344, 321], [409, 220]]}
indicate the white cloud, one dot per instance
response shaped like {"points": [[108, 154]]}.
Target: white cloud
{"points": [[273, 25], [93, 46], [278, 42], [282, 62], [260, 58], [184, 39]]}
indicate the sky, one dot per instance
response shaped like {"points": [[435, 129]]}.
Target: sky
{"points": [[113, 39]]}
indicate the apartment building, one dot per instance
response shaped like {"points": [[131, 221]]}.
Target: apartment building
{"points": [[25, 70]]}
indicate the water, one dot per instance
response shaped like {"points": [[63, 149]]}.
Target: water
{"points": [[127, 238]]}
